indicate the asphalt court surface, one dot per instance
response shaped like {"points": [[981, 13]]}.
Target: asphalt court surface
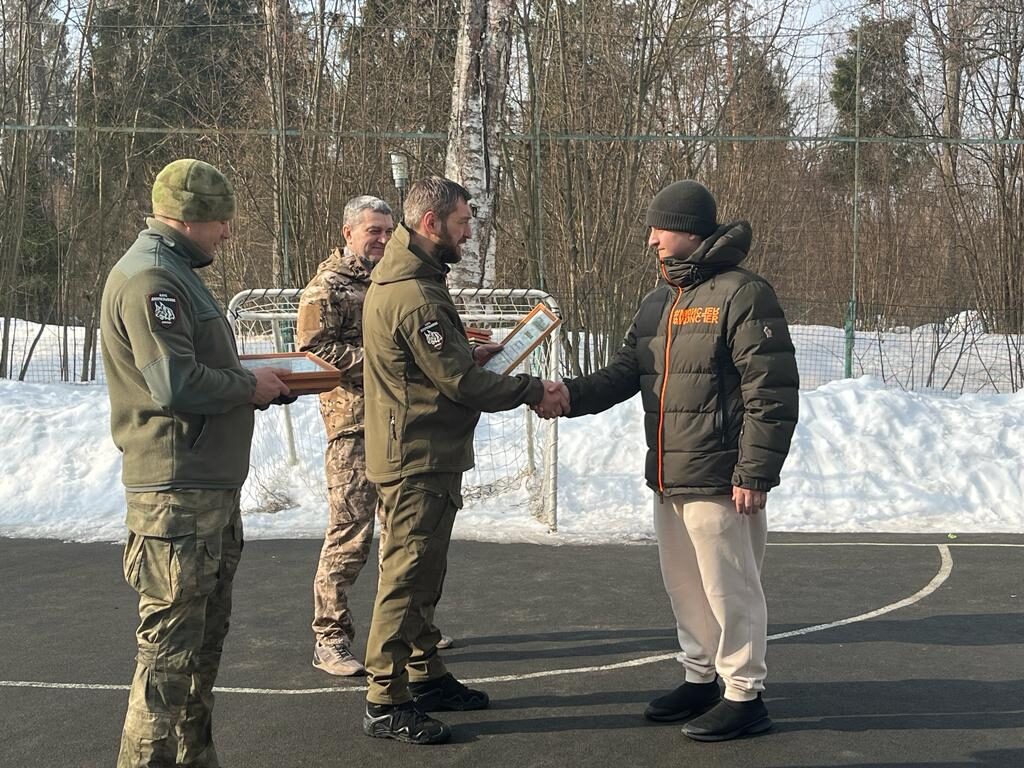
{"points": [[928, 669]]}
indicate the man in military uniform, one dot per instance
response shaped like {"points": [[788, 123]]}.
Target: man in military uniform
{"points": [[425, 389], [181, 412], [330, 324]]}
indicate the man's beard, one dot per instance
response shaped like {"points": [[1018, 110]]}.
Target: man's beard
{"points": [[448, 250]]}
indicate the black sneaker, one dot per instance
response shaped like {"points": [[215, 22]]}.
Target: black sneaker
{"points": [[688, 700], [447, 693], [728, 720], [404, 722]]}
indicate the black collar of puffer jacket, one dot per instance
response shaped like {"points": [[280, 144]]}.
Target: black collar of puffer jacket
{"points": [[726, 248]]}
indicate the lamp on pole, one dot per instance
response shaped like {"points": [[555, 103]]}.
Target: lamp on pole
{"points": [[400, 173]]}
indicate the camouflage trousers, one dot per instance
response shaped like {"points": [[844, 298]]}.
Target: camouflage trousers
{"points": [[352, 501], [184, 584]]}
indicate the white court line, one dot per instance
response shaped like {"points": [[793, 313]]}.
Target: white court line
{"points": [[945, 568], [69, 686], [883, 544]]}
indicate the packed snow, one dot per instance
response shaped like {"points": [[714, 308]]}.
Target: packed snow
{"points": [[864, 458]]}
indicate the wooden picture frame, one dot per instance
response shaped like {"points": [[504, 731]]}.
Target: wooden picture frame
{"points": [[309, 374], [523, 339]]}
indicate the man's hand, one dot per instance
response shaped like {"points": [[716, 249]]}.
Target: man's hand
{"points": [[268, 385], [555, 402], [748, 502], [484, 352]]}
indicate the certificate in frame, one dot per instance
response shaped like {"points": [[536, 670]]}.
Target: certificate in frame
{"points": [[307, 374], [523, 339]]}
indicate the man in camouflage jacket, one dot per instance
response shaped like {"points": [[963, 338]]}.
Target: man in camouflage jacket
{"points": [[330, 324]]}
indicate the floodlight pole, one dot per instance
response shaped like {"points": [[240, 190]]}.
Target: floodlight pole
{"points": [[400, 173]]}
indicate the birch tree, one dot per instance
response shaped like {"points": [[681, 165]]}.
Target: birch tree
{"points": [[275, 13], [474, 133]]}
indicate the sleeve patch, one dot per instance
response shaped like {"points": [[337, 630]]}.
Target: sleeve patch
{"points": [[433, 335], [164, 308]]}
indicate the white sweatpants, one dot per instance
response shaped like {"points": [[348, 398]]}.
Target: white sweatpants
{"points": [[711, 559]]}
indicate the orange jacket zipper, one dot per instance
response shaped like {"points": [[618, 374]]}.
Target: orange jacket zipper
{"points": [[664, 385]]}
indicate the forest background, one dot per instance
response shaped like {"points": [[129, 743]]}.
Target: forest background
{"points": [[876, 148]]}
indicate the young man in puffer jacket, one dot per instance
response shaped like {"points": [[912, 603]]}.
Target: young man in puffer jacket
{"points": [[710, 352]]}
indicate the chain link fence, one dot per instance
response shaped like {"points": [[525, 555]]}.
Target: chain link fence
{"points": [[922, 349]]}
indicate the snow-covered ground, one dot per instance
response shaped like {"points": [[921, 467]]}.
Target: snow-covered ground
{"points": [[864, 458]]}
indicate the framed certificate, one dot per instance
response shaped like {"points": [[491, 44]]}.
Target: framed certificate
{"points": [[523, 339], [479, 335], [307, 373]]}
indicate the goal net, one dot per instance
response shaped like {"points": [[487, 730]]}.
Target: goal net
{"points": [[516, 452]]}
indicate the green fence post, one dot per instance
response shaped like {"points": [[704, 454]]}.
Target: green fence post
{"points": [[851, 317], [283, 342], [286, 339]]}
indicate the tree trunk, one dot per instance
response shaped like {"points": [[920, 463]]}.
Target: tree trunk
{"points": [[274, 14], [14, 184], [474, 133]]}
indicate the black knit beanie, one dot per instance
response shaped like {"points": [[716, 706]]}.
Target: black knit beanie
{"points": [[685, 206]]}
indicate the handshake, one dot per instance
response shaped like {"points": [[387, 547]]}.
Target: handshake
{"points": [[555, 402]]}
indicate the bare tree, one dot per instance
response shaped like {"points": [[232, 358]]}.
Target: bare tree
{"points": [[275, 14], [562, 117], [475, 128]]}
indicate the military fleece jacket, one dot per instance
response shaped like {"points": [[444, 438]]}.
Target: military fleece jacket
{"points": [[330, 325], [424, 391], [710, 353], [179, 397]]}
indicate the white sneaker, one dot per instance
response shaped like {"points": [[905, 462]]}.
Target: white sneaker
{"points": [[445, 642], [337, 659]]}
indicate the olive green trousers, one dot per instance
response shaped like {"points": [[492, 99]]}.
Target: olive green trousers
{"points": [[418, 514]]}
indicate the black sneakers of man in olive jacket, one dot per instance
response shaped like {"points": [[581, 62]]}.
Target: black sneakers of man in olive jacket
{"points": [[404, 722], [447, 693]]}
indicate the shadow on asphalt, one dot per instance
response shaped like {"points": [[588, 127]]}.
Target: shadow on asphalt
{"points": [[662, 642], [988, 758], [849, 707], [977, 629]]}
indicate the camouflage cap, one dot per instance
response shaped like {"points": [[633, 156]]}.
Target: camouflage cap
{"points": [[191, 190]]}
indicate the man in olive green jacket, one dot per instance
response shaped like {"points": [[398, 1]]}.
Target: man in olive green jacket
{"points": [[181, 412], [424, 391], [710, 354]]}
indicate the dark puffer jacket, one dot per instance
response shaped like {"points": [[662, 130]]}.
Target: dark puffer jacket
{"points": [[709, 351]]}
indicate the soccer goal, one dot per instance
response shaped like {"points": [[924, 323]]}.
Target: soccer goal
{"points": [[516, 452]]}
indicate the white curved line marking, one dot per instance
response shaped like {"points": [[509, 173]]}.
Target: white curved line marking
{"points": [[68, 686], [888, 544], [945, 568]]}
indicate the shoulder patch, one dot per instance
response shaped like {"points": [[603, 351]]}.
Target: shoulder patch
{"points": [[164, 307], [432, 334]]}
